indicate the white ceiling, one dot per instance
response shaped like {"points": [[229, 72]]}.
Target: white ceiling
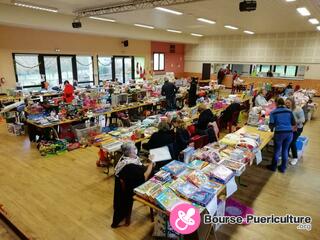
{"points": [[271, 16]]}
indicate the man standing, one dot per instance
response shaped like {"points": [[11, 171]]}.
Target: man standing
{"points": [[169, 90]]}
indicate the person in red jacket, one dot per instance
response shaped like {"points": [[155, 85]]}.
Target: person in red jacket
{"points": [[68, 93]]}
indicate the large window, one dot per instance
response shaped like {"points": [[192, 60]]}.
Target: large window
{"points": [[85, 69], [264, 68], [51, 70], [291, 71], [139, 68], [123, 69], [280, 69], [66, 69], [105, 68], [27, 70], [158, 61]]}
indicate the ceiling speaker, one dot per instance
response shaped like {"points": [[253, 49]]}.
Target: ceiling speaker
{"points": [[125, 43]]}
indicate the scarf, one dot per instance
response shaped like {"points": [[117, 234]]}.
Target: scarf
{"points": [[124, 161]]}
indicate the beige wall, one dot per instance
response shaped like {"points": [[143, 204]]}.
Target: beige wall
{"points": [[23, 40], [282, 48]]}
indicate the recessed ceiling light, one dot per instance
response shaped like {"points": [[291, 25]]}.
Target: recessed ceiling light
{"points": [[303, 11], [318, 28], [313, 21], [231, 27], [206, 20], [168, 10], [143, 26], [290, 0], [27, 5], [248, 32], [103, 19], [196, 35], [174, 31]]}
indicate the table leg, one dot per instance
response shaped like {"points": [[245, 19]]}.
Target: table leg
{"points": [[240, 183]]}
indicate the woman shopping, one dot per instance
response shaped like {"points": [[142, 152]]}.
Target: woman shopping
{"points": [[282, 122], [129, 174], [300, 119]]}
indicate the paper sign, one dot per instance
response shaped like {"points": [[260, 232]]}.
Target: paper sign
{"points": [[212, 206], [231, 187], [258, 157], [160, 154]]}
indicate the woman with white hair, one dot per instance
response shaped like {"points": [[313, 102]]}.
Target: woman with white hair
{"points": [[129, 174]]}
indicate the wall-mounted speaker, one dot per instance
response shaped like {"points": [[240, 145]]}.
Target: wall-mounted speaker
{"points": [[125, 43], [172, 48]]}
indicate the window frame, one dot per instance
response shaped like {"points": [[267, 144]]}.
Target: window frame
{"points": [[92, 60], [164, 62], [123, 67], [98, 67]]}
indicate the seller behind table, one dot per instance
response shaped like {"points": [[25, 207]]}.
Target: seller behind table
{"points": [[68, 92], [282, 122], [206, 123], [260, 100], [169, 90], [129, 174]]}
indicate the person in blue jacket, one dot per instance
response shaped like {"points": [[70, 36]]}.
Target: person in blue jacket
{"points": [[282, 122]]}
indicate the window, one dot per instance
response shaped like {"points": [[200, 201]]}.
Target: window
{"points": [[66, 69], [291, 71], [85, 69], [105, 68], [280, 69], [118, 68], [264, 68], [27, 69], [158, 61], [127, 69], [51, 70]]}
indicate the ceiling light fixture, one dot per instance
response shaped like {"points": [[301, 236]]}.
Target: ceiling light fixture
{"points": [[206, 20], [143, 26], [36, 7], [318, 28], [103, 19], [314, 21], [231, 27], [290, 0], [173, 31], [248, 32], [168, 10], [303, 11], [196, 35]]}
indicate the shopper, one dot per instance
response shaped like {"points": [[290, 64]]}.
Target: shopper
{"points": [[300, 119], [260, 100], [221, 75], [68, 92], [206, 123], [193, 93], [182, 136], [235, 76], [169, 90], [164, 137], [282, 123], [129, 174]]}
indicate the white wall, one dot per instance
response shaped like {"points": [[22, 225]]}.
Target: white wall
{"points": [[283, 48]]}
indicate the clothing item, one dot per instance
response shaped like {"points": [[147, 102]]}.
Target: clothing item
{"points": [[130, 177], [124, 161], [293, 145], [282, 141], [159, 139], [282, 120], [260, 101], [205, 118], [192, 94], [171, 103], [220, 76], [228, 113], [68, 93], [209, 132], [298, 114]]}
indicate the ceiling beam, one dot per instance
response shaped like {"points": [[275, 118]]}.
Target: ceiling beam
{"points": [[129, 6]]}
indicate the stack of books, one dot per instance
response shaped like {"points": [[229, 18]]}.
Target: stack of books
{"points": [[167, 200], [174, 167], [222, 174]]}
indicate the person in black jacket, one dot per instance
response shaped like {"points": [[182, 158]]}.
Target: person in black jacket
{"points": [[227, 114], [221, 75], [193, 93], [169, 90], [163, 137], [182, 136], [205, 123]]}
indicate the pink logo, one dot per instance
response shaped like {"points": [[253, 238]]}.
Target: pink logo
{"points": [[185, 218]]}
